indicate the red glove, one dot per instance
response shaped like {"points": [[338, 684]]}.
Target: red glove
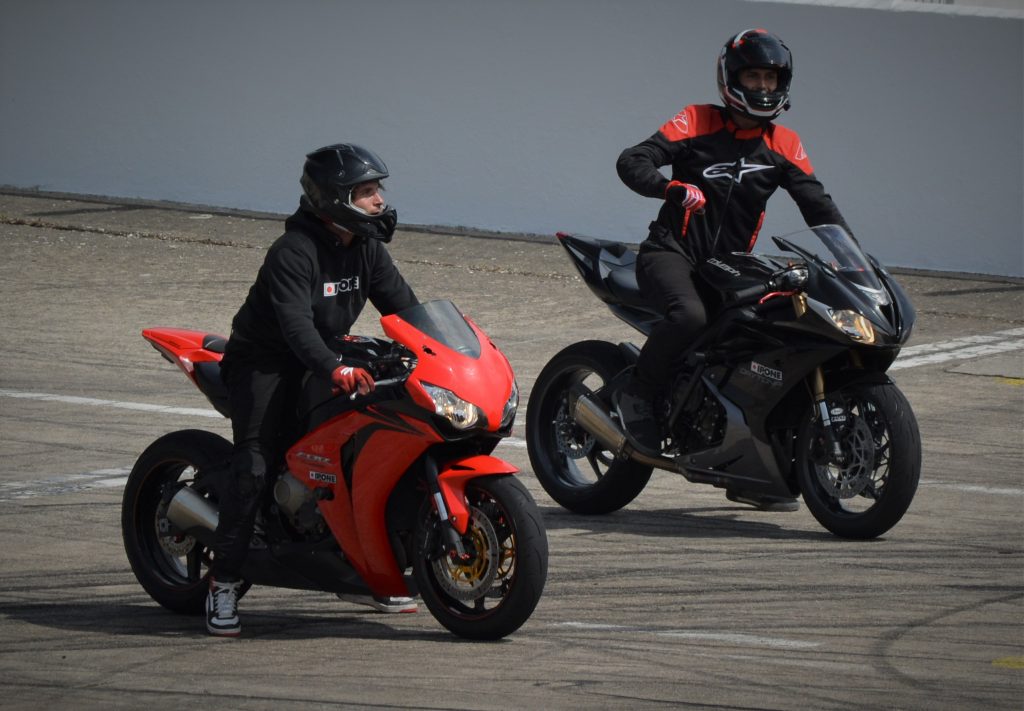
{"points": [[688, 197], [352, 380]]}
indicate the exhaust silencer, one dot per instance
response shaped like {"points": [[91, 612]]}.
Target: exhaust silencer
{"points": [[191, 513], [592, 417]]}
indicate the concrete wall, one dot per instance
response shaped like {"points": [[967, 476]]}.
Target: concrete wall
{"points": [[509, 116]]}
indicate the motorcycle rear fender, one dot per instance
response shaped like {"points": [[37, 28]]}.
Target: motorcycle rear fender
{"points": [[453, 477]]}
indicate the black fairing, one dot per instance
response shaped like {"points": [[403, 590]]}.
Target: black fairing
{"points": [[609, 270], [730, 273]]}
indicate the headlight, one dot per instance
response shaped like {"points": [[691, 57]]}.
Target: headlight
{"points": [[508, 415], [453, 408], [853, 325]]}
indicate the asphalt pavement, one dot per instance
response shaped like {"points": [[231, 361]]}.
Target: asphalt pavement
{"points": [[681, 600]]}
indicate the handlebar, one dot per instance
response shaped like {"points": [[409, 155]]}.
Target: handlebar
{"points": [[750, 293], [786, 281], [383, 383]]}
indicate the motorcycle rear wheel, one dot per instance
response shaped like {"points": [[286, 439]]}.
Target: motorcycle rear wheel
{"points": [[173, 569], [573, 467], [494, 593], [868, 493]]}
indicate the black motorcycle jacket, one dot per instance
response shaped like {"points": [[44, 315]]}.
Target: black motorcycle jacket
{"points": [[309, 291], [738, 170]]}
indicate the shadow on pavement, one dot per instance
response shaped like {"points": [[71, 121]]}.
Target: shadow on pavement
{"points": [[135, 620], [707, 522]]}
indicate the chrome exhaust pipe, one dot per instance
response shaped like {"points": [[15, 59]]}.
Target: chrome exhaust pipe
{"points": [[592, 417], [190, 512]]}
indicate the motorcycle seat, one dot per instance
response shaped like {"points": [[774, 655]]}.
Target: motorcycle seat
{"points": [[622, 284], [214, 343]]}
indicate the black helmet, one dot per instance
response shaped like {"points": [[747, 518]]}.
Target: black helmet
{"points": [[755, 48], [328, 177]]}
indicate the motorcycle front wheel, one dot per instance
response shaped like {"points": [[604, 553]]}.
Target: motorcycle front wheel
{"points": [[868, 490], [171, 567], [575, 469], [495, 591]]}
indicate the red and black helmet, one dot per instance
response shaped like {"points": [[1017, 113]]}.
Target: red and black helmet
{"points": [[328, 177], [755, 48]]}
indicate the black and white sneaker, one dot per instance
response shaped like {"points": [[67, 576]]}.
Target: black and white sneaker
{"points": [[222, 609], [382, 604]]}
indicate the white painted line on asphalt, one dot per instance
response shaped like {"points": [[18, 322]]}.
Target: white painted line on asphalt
{"points": [[956, 343], [99, 479], [928, 353], [117, 477], [116, 404], [976, 488], [743, 640], [516, 442], [962, 349]]}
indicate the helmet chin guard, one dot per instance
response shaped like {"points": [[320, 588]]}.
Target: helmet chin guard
{"points": [[328, 177], [754, 48]]}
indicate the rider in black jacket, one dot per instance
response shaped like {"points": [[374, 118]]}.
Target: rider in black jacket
{"points": [[726, 162], [312, 286]]}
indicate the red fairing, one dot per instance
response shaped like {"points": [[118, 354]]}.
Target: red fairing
{"points": [[357, 518], [485, 381], [182, 347]]}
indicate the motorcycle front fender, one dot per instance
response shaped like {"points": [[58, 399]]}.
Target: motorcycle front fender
{"points": [[453, 477], [837, 380]]}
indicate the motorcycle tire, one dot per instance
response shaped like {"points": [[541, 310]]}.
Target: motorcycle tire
{"points": [[495, 592], [881, 446], [172, 569], [557, 445]]}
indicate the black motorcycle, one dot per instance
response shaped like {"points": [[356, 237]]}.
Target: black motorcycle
{"points": [[784, 393]]}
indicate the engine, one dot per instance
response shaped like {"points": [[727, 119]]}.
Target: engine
{"points": [[701, 424]]}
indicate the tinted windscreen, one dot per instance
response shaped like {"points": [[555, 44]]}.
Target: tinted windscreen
{"points": [[444, 323], [832, 247]]}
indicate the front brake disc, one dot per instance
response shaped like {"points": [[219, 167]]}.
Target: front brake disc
{"points": [[844, 481]]}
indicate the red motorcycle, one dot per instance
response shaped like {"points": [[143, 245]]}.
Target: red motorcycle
{"points": [[399, 479]]}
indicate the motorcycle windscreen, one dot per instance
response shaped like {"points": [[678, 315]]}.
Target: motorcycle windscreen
{"points": [[443, 322], [833, 248]]}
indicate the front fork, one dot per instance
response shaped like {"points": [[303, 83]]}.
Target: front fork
{"points": [[818, 391], [452, 539], [448, 490]]}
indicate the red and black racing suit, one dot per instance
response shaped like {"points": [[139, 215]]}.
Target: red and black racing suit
{"points": [[309, 291], [738, 170]]}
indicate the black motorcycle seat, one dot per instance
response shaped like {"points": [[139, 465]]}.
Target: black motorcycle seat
{"points": [[622, 283], [214, 343]]}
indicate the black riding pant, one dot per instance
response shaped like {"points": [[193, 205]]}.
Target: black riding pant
{"points": [[668, 280], [262, 399]]}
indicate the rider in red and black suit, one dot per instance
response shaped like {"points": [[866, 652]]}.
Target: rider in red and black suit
{"points": [[726, 162]]}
